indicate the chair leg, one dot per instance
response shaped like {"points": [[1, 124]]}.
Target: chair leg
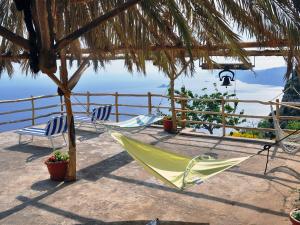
{"points": [[64, 139], [95, 127], [20, 141], [51, 140], [79, 125]]}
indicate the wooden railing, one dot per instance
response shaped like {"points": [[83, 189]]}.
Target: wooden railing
{"points": [[87, 104]]}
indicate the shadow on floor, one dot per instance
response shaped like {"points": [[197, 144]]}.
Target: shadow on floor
{"points": [[34, 202], [26, 201], [199, 195], [36, 151], [84, 135], [161, 222], [286, 170], [104, 167], [45, 185], [268, 176]]}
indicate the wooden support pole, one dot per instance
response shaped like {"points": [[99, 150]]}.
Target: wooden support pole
{"points": [[116, 106], [88, 102], [183, 113], [149, 103], [223, 117], [32, 111]]}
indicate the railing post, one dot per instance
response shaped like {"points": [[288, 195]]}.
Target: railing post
{"points": [[277, 113], [223, 117], [183, 104], [149, 103], [116, 106], [88, 102], [32, 111]]}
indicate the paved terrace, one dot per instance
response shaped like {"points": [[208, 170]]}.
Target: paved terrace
{"points": [[112, 188]]}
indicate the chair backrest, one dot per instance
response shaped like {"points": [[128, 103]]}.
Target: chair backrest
{"points": [[56, 125], [101, 113]]}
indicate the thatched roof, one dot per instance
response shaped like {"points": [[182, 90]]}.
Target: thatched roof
{"points": [[138, 26]]}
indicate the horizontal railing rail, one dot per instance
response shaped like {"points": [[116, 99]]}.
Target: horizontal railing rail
{"points": [[183, 111]]}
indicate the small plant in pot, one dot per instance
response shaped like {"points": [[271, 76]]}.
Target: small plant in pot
{"points": [[167, 122], [57, 165], [295, 216], [295, 213]]}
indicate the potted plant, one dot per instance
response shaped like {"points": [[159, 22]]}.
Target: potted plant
{"points": [[167, 122], [295, 216], [57, 165]]}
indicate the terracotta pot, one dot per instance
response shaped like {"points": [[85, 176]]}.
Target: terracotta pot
{"points": [[293, 220], [57, 170], [168, 125]]}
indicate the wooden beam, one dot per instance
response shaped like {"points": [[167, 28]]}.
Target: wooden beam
{"points": [[78, 73], [14, 38], [121, 57], [96, 22], [210, 48]]}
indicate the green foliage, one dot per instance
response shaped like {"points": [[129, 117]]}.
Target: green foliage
{"points": [[60, 156], [296, 215], [266, 124], [293, 125], [210, 106]]}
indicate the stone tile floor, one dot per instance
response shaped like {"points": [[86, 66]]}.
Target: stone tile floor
{"points": [[112, 188]]}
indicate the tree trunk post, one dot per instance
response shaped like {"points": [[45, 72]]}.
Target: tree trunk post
{"points": [[71, 173], [223, 117], [116, 106], [32, 111], [149, 103], [173, 110]]}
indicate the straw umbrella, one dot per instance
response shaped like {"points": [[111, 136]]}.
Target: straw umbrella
{"points": [[43, 35]]}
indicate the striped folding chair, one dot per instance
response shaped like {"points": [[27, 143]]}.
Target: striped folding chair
{"points": [[99, 115], [55, 127]]}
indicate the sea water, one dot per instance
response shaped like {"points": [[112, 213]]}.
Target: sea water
{"points": [[260, 84]]}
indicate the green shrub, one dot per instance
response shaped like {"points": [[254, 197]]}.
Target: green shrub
{"points": [[293, 125], [210, 106], [60, 156], [296, 215]]}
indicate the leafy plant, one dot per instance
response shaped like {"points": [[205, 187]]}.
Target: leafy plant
{"points": [[58, 156], [293, 125], [296, 215], [202, 103]]}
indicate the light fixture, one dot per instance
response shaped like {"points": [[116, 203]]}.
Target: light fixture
{"points": [[226, 75]]}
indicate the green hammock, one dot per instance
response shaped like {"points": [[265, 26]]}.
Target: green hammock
{"points": [[174, 169]]}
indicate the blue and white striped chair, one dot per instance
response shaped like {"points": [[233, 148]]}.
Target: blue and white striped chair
{"points": [[99, 115], [55, 127]]}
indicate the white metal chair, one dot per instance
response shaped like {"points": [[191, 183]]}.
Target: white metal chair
{"points": [[99, 115], [55, 127]]}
